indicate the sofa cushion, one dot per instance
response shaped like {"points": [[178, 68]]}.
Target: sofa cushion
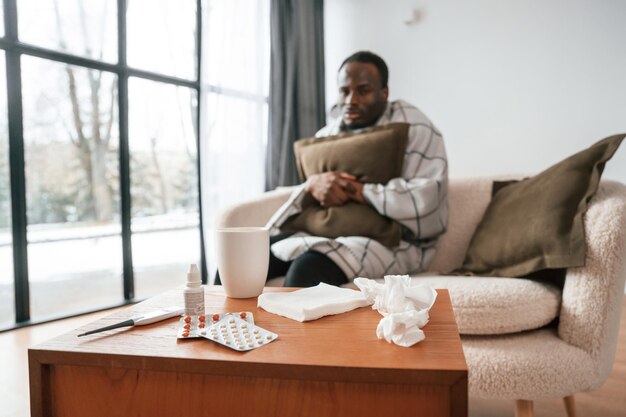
{"points": [[537, 223], [492, 305]]}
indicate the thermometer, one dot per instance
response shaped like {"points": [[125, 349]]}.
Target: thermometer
{"points": [[147, 318]]}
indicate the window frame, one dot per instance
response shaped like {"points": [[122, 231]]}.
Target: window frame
{"points": [[14, 49]]}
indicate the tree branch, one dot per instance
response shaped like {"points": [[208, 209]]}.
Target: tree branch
{"points": [[57, 17], [66, 127], [83, 27], [78, 122], [94, 87], [107, 137]]}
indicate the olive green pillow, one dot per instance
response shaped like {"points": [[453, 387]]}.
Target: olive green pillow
{"points": [[537, 223], [351, 219], [373, 156]]}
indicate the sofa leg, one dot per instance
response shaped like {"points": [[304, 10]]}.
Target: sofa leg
{"points": [[523, 408], [570, 405]]}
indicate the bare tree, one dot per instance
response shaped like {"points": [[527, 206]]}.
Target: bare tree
{"points": [[92, 128], [163, 194]]}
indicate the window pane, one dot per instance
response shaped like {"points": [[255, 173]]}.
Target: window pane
{"points": [[247, 46], [85, 28], [234, 138], [72, 174], [164, 187], [7, 299], [162, 36]]}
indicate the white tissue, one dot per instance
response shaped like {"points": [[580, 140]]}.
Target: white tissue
{"points": [[405, 308], [312, 303], [403, 328]]}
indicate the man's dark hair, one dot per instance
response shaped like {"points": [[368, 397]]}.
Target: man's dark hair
{"points": [[367, 57]]}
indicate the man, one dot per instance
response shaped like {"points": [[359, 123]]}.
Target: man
{"points": [[417, 199]]}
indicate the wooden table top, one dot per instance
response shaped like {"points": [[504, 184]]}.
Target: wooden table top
{"points": [[341, 347]]}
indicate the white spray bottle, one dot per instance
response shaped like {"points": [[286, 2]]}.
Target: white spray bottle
{"points": [[193, 292]]}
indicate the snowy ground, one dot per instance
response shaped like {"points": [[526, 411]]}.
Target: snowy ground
{"points": [[82, 270]]}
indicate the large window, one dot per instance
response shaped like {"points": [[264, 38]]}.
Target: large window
{"points": [[99, 184], [72, 200]]}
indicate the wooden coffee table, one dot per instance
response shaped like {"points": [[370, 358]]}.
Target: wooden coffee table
{"points": [[334, 366]]}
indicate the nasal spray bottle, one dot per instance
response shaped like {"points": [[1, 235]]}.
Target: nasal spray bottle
{"points": [[193, 292]]}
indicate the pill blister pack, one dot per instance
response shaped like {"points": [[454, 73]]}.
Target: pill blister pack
{"points": [[238, 334], [197, 326]]}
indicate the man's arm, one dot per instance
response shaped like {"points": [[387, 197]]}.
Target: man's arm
{"points": [[418, 200]]}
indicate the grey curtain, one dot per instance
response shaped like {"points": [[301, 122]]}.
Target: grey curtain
{"points": [[296, 103]]}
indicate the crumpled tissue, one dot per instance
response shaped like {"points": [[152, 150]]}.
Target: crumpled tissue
{"points": [[404, 307]]}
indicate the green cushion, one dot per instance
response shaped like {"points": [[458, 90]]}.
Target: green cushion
{"points": [[373, 156], [351, 219], [537, 223]]}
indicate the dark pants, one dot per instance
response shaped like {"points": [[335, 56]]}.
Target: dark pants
{"points": [[307, 270]]}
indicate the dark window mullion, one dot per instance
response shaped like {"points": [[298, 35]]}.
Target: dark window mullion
{"points": [[16, 163], [52, 55], [244, 95], [203, 262], [59, 56], [125, 200], [154, 76]]}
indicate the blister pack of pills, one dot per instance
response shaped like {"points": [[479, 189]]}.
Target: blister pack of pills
{"points": [[197, 326], [238, 334]]}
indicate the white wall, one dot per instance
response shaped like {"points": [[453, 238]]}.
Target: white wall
{"points": [[514, 85]]}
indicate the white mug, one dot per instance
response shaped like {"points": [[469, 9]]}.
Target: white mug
{"points": [[243, 255]]}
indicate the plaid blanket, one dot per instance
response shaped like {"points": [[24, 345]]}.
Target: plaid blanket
{"points": [[417, 201]]}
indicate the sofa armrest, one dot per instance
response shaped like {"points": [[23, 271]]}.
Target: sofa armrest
{"points": [[254, 212], [593, 294]]}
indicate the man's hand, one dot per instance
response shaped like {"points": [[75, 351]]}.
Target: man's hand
{"points": [[353, 188], [335, 188], [327, 188]]}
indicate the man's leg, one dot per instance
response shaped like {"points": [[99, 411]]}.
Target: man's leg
{"points": [[277, 267], [311, 268]]}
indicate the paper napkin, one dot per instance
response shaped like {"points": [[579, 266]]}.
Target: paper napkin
{"points": [[312, 303]]}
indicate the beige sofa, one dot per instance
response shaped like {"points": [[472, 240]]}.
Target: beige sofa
{"points": [[523, 339]]}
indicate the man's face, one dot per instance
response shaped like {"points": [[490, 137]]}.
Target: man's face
{"points": [[362, 98]]}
